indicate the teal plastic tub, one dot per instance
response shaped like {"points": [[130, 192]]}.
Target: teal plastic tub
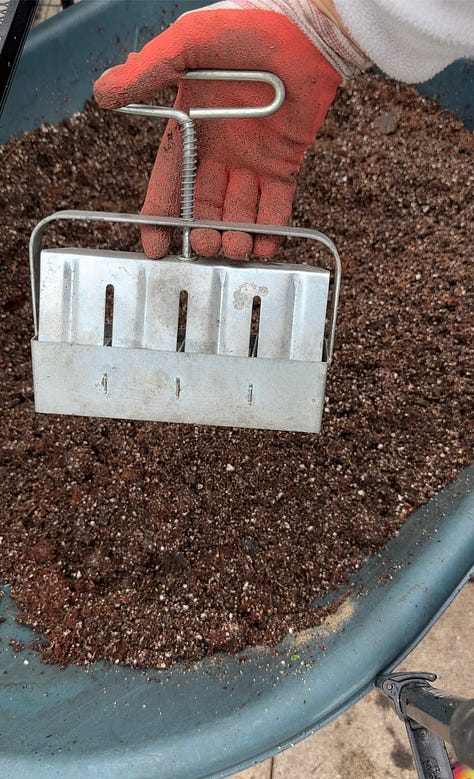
{"points": [[214, 718]]}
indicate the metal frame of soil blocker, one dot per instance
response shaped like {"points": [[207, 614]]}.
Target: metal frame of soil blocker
{"points": [[224, 713]]}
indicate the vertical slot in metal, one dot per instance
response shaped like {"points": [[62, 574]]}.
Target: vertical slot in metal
{"points": [[255, 326], [182, 321], [109, 315]]}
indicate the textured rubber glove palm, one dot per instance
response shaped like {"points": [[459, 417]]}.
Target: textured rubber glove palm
{"points": [[246, 167]]}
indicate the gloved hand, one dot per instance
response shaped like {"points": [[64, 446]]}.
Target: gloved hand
{"points": [[461, 771], [246, 167]]}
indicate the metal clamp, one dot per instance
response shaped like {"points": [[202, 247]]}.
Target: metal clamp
{"points": [[185, 122]]}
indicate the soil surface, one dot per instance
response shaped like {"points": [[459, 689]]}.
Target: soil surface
{"points": [[147, 543]]}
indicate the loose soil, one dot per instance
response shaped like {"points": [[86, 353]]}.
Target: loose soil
{"points": [[148, 543]]}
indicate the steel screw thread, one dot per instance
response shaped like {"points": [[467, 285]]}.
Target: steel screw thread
{"points": [[188, 179]]}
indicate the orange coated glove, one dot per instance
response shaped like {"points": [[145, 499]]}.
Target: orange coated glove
{"points": [[246, 167]]}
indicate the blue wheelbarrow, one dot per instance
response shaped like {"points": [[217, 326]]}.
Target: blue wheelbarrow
{"points": [[213, 719]]}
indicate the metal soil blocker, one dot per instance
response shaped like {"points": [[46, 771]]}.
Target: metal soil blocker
{"points": [[218, 369]]}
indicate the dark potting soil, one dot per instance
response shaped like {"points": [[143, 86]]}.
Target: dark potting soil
{"points": [[148, 543]]}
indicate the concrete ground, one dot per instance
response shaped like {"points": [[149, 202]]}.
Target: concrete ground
{"points": [[369, 741]]}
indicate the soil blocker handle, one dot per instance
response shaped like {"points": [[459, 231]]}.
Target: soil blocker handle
{"points": [[241, 112], [170, 221], [185, 122]]}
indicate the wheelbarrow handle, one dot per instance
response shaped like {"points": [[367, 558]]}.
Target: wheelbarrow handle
{"points": [[431, 717]]}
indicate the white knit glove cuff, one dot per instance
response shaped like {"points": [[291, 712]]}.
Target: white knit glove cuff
{"points": [[323, 33], [411, 40]]}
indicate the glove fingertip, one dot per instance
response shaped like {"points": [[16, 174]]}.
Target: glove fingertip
{"points": [[155, 242], [266, 246], [206, 243], [105, 91], [237, 246]]}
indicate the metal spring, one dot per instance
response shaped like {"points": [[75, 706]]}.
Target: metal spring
{"points": [[188, 181], [189, 169]]}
